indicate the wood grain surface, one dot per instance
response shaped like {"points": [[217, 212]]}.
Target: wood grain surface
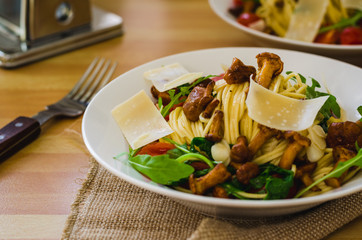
{"points": [[39, 183]]}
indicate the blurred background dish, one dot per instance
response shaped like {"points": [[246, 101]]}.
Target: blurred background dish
{"points": [[349, 53]]}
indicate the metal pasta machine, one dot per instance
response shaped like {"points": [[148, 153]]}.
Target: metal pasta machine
{"points": [[31, 30]]}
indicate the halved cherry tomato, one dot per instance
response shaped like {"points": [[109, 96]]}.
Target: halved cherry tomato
{"points": [[330, 37], [167, 117], [217, 78], [156, 148], [238, 3], [247, 18], [199, 165], [351, 35]]}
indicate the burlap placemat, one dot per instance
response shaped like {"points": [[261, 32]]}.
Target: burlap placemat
{"points": [[107, 207], [110, 208]]}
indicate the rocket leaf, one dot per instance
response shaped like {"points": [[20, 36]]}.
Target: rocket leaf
{"points": [[337, 172]]}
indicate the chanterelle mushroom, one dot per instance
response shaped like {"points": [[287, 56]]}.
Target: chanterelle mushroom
{"points": [[296, 143], [220, 192], [239, 152], [239, 72], [164, 95], [207, 113], [246, 172], [216, 132], [197, 101], [217, 175], [340, 154], [269, 66], [344, 134], [304, 174], [261, 137]]}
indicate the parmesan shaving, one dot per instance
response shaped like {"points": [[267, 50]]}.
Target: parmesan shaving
{"points": [[280, 112], [353, 4], [306, 20], [140, 121], [170, 76]]}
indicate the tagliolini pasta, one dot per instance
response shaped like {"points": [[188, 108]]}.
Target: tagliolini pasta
{"points": [[237, 122]]}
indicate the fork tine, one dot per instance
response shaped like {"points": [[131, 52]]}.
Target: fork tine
{"points": [[95, 83], [83, 78], [86, 85], [103, 83], [108, 77]]}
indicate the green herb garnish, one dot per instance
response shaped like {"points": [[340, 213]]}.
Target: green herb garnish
{"points": [[203, 144], [275, 180], [337, 172], [236, 192], [330, 107], [359, 109], [189, 155], [272, 183], [161, 169], [345, 22]]}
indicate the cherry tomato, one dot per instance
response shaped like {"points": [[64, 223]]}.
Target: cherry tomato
{"points": [[330, 37], [247, 18], [167, 117], [199, 165], [156, 148], [238, 3], [292, 192], [351, 35], [217, 78]]}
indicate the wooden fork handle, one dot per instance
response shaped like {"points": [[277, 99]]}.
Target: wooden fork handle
{"points": [[16, 135]]}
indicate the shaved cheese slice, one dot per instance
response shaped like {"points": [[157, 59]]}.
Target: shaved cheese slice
{"points": [[280, 112], [140, 121], [306, 20], [353, 4], [170, 76]]}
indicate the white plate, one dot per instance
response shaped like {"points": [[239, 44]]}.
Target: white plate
{"points": [[105, 140], [220, 7]]}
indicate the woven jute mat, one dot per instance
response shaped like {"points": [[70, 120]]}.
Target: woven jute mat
{"points": [[110, 208]]}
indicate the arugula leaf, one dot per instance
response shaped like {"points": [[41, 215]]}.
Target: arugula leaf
{"points": [[175, 99], [357, 147], [195, 157], [161, 169], [345, 22], [183, 148], [231, 189], [273, 181], [203, 144], [160, 104], [275, 187], [175, 153], [337, 172], [189, 155], [359, 109], [330, 107]]}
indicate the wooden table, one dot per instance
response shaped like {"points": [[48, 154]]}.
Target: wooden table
{"points": [[39, 184]]}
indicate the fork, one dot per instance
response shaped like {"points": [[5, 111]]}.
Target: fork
{"points": [[23, 130]]}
